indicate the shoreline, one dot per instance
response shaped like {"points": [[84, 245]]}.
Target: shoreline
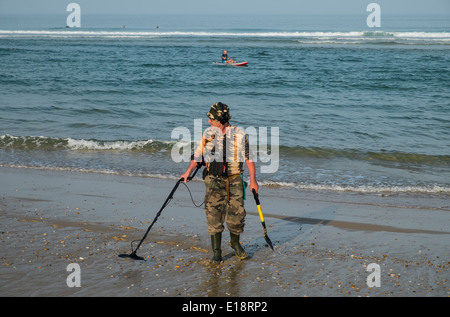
{"points": [[324, 241]]}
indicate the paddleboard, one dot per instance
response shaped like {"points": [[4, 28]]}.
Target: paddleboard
{"points": [[232, 64]]}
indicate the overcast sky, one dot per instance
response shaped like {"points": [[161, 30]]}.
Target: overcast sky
{"points": [[338, 7]]}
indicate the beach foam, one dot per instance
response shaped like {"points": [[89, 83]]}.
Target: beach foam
{"points": [[437, 37]]}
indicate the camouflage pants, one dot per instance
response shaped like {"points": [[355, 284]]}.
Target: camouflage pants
{"points": [[224, 202]]}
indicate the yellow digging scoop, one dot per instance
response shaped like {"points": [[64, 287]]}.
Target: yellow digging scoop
{"points": [[266, 237]]}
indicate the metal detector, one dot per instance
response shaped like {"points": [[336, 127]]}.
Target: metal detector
{"points": [[133, 254]]}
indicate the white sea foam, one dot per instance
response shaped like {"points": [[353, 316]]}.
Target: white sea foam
{"points": [[74, 144], [443, 36], [363, 189], [91, 170], [78, 144], [434, 189]]}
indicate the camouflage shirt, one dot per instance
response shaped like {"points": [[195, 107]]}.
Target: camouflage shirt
{"points": [[231, 148]]}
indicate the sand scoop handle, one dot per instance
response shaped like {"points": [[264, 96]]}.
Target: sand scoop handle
{"points": [[258, 204]]}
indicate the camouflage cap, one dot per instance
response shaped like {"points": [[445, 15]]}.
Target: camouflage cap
{"points": [[220, 112]]}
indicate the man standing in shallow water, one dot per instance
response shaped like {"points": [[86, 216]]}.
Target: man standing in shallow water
{"points": [[223, 149]]}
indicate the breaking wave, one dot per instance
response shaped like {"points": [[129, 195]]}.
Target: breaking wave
{"points": [[416, 37], [296, 163], [49, 143], [43, 143]]}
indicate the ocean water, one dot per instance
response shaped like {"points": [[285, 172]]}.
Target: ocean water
{"points": [[358, 109]]}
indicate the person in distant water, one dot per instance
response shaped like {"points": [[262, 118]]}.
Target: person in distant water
{"points": [[226, 59], [224, 149]]}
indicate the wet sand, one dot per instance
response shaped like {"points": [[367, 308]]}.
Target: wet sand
{"points": [[323, 241]]}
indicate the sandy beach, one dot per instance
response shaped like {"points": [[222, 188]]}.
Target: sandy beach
{"points": [[323, 241]]}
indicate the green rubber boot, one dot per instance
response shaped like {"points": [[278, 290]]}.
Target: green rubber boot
{"points": [[235, 244], [216, 241]]}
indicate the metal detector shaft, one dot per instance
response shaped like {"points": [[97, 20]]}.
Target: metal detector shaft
{"points": [[133, 254], [266, 237]]}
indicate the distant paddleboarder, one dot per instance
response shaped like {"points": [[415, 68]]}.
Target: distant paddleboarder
{"points": [[226, 59]]}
